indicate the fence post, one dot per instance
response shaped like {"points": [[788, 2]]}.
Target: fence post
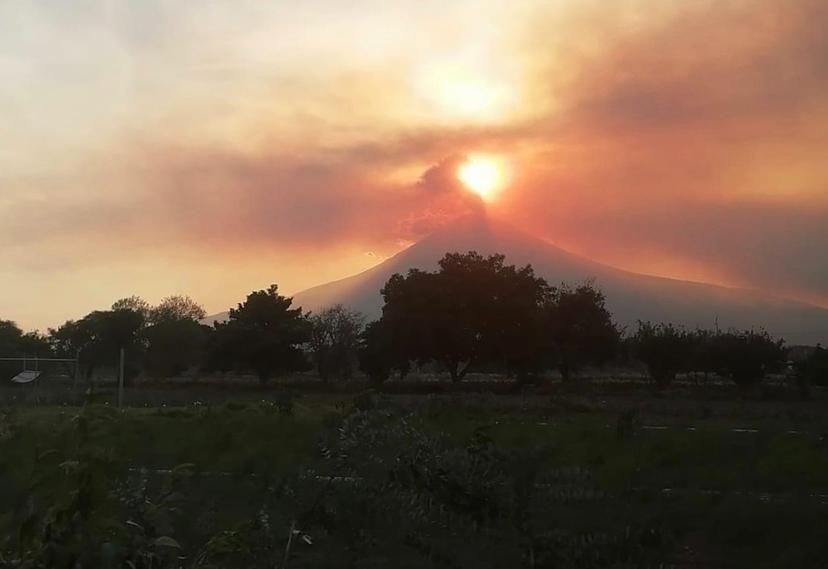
{"points": [[121, 381], [36, 382], [76, 378]]}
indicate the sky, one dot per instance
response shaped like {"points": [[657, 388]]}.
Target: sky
{"points": [[212, 147]]}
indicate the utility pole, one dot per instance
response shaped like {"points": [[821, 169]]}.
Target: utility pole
{"points": [[121, 381]]}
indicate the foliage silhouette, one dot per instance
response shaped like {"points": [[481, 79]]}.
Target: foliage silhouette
{"points": [[473, 310], [380, 354], [814, 369], [580, 328], [334, 341], [665, 349], [176, 308], [263, 334]]}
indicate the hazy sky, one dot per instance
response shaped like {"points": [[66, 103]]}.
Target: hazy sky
{"points": [[157, 147]]}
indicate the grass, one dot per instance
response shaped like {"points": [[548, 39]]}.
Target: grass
{"points": [[245, 437], [732, 495]]}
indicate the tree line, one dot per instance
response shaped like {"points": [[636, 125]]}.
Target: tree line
{"points": [[474, 313]]}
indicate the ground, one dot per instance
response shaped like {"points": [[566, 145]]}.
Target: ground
{"points": [[725, 482]]}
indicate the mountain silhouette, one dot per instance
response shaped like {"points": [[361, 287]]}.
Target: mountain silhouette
{"points": [[630, 296]]}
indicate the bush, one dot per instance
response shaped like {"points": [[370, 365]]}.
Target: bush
{"points": [[814, 369], [666, 350], [747, 357]]}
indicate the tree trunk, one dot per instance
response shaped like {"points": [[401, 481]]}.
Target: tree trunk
{"points": [[453, 367], [566, 372]]}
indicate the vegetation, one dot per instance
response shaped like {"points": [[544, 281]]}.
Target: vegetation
{"points": [[475, 310], [813, 370], [335, 336], [474, 314], [745, 357], [579, 328], [263, 334], [367, 482], [379, 355], [567, 481], [665, 349]]}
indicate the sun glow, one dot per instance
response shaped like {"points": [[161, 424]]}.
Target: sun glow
{"points": [[485, 176], [467, 90]]}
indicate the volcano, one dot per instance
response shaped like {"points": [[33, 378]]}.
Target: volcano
{"points": [[630, 296]]}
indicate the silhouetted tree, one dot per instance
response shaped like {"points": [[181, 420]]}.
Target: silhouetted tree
{"points": [[747, 356], [99, 337], [135, 304], [116, 329], [475, 309], [334, 342], [813, 369], [380, 354], [705, 354], [173, 346], [176, 308], [10, 336], [69, 340], [37, 344], [15, 343], [666, 350], [263, 334], [175, 339], [579, 328]]}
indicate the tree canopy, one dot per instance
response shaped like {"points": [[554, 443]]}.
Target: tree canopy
{"points": [[263, 334], [176, 308], [334, 341], [579, 328], [474, 309]]}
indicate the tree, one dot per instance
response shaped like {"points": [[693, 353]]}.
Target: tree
{"points": [[99, 337], [36, 344], [10, 336], [175, 339], [665, 350], [114, 330], [69, 340], [15, 343], [263, 334], [335, 334], [813, 370], [380, 354], [748, 356], [473, 310], [176, 308], [173, 346], [135, 304], [580, 328]]}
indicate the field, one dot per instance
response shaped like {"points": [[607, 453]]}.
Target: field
{"points": [[586, 477]]}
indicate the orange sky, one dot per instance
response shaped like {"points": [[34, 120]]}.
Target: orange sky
{"points": [[210, 148]]}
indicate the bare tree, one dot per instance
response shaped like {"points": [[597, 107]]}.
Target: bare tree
{"points": [[335, 335]]}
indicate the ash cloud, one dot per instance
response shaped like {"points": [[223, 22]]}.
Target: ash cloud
{"points": [[696, 138]]}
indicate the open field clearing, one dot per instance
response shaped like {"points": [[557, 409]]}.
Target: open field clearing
{"points": [[638, 486]]}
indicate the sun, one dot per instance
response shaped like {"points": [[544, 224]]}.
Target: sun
{"points": [[483, 175]]}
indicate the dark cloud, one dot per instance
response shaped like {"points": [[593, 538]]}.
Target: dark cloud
{"points": [[763, 245], [442, 177], [697, 140], [658, 148], [724, 61]]}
